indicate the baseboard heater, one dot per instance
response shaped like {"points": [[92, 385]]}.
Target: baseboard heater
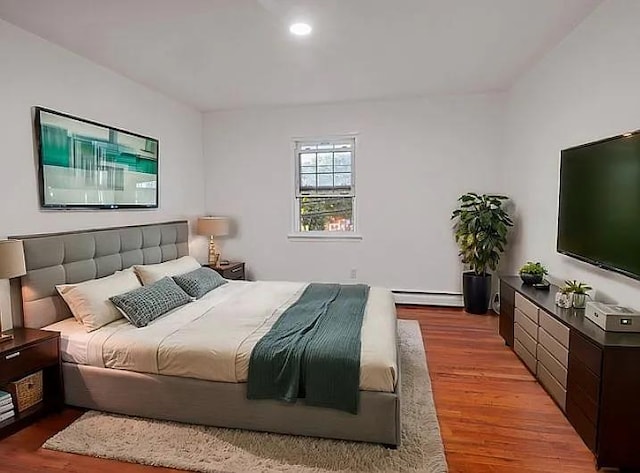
{"points": [[438, 298]]}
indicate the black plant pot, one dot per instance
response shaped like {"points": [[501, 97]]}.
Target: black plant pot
{"points": [[529, 279], [477, 292]]}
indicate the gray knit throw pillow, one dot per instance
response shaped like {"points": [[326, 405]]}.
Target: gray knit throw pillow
{"points": [[199, 281], [147, 303]]}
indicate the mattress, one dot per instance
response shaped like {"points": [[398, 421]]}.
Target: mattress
{"points": [[212, 338]]}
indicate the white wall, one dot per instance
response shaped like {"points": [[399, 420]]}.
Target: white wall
{"points": [[413, 159], [36, 72], [587, 88]]}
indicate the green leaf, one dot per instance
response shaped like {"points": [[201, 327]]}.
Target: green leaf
{"points": [[481, 230]]}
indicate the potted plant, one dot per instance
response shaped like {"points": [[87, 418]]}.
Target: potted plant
{"points": [[532, 273], [564, 297], [579, 290], [481, 226]]}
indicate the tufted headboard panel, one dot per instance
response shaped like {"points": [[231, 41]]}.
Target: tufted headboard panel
{"points": [[73, 257]]}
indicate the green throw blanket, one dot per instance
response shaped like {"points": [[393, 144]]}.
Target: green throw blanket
{"points": [[313, 351]]}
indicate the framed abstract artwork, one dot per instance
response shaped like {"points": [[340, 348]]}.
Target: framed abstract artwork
{"points": [[88, 165]]}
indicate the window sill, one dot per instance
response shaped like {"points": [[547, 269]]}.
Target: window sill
{"points": [[322, 236]]}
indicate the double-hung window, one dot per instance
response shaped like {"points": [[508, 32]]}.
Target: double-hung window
{"points": [[325, 186]]}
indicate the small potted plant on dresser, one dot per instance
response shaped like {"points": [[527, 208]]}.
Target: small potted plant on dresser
{"points": [[580, 293], [573, 294], [532, 273], [564, 297], [481, 226]]}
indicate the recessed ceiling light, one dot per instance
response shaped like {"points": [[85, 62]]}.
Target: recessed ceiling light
{"points": [[300, 29]]}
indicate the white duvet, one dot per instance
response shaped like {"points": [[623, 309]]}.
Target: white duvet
{"points": [[212, 338]]}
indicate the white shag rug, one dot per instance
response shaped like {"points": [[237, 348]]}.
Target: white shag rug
{"points": [[217, 450]]}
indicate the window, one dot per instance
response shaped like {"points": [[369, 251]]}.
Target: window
{"points": [[325, 191]]}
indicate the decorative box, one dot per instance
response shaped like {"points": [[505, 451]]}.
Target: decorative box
{"points": [[564, 300], [27, 392]]}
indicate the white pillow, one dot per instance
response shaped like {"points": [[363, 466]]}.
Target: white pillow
{"points": [[150, 273], [89, 301]]}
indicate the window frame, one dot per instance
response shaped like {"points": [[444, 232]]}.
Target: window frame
{"points": [[296, 233]]}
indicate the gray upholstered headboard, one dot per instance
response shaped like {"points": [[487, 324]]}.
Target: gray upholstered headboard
{"points": [[72, 257]]}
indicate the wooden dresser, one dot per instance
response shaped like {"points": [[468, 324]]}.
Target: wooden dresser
{"points": [[593, 375]]}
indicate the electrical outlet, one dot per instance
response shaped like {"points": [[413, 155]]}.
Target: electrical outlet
{"points": [[354, 273]]}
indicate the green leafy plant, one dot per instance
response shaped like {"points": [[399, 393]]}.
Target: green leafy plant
{"points": [[481, 226], [565, 290], [536, 269], [575, 287]]}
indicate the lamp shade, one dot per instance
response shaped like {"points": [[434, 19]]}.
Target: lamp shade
{"points": [[213, 226], [11, 259]]}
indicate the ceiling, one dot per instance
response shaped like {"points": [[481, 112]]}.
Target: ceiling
{"points": [[221, 54]]}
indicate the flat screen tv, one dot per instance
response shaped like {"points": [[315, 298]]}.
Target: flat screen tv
{"points": [[88, 165], [599, 211]]}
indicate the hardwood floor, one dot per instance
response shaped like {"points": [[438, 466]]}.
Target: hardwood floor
{"points": [[493, 415]]}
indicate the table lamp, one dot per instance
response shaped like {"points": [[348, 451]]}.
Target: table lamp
{"points": [[213, 227], [11, 266]]}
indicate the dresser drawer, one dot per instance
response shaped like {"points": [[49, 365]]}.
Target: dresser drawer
{"points": [[554, 388], [586, 352], [525, 339], [586, 429], [553, 346], [580, 377], [527, 324], [527, 308], [528, 359], [588, 407], [556, 329], [35, 357], [552, 365]]}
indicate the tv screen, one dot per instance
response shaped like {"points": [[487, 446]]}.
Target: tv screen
{"points": [[599, 212], [83, 164]]}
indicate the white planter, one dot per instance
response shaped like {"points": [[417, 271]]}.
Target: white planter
{"points": [[564, 300]]}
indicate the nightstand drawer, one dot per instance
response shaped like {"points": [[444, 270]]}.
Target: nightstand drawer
{"points": [[16, 364], [233, 270], [235, 273]]}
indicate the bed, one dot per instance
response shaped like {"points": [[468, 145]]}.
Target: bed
{"points": [[191, 365]]}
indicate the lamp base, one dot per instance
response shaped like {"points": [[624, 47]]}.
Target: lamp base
{"points": [[5, 338], [214, 254]]}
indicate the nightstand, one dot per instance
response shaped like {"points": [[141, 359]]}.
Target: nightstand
{"points": [[230, 271], [31, 351]]}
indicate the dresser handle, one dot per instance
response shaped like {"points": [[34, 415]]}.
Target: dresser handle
{"points": [[12, 356], [235, 270]]}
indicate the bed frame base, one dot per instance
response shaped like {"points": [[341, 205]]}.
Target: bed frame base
{"points": [[195, 401]]}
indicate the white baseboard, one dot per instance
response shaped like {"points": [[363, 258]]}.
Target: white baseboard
{"points": [[445, 299]]}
